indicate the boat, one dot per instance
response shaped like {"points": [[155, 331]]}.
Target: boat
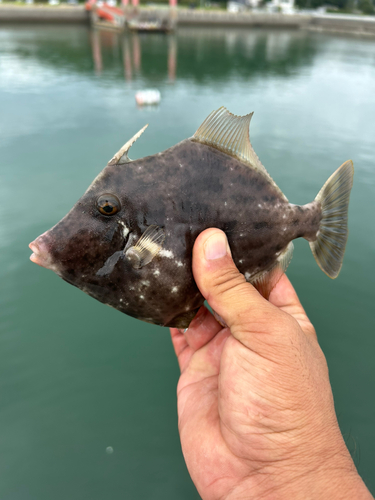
{"points": [[105, 16], [150, 25]]}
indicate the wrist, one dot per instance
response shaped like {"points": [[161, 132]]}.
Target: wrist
{"points": [[328, 482], [342, 486], [330, 478]]}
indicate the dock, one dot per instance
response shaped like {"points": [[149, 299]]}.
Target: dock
{"points": [[330, 23]]}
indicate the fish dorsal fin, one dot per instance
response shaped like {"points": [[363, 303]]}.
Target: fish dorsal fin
{"points": [[121, 156], [265, 281], [146, 248], [230, 134]]}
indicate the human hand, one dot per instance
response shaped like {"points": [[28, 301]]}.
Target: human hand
{"points": [[255, 406]]}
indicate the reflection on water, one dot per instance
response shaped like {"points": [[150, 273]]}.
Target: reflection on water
{"points": [[232, 48], [78, 379], [131, 52], [236, 51], [97, 51], [220, 52]]}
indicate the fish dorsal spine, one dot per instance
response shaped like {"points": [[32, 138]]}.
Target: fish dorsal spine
{"points": [[230, 133], [121, 156]]}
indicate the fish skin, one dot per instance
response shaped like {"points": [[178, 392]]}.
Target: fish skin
{"points": [[185, 189]]}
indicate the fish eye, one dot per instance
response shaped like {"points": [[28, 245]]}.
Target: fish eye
{"points": [[108, 204]]}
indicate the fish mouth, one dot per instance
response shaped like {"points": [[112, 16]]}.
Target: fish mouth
{"points": [[41, 254]]}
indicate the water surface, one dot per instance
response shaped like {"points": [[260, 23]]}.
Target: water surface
{"points": [[78, 379]]}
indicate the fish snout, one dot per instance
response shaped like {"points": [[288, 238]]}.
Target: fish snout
{"points": [[41, 248]]}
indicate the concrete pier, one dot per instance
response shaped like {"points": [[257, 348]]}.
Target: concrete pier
{"points": [[43, 14], [334, 23], [343, 24], [244, 19]]}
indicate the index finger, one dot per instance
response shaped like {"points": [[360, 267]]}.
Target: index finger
{"points": [[285, 298]]}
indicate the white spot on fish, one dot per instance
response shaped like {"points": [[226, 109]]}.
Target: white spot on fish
{"points": [[126, 230], [156, 272], [240, 261], [241, 234], [141, 297], [284, 216], [120, 300], [259, 205], [145, 283], [166, 253], [247, 276], [174, 289], [225, 203], [179, 263], [181, 165]]}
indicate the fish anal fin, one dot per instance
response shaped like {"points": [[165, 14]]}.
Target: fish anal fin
{"points": [[146, 248], [219, 319], [121, 156], [230, 133], [182, 320], [265, 281]]}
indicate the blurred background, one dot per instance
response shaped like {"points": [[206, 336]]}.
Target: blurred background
{"points": [[88, 405]]}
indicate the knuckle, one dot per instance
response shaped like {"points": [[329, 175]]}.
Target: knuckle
{"points": [[311, 331], [285, 321], [256, 319], [228, 282], [264, 318], [286, 326]]}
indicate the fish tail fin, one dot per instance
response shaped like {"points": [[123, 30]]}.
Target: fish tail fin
{"points": [[329, 247]]}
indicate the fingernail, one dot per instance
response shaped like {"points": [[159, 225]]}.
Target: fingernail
{"points": [[216, 246]]}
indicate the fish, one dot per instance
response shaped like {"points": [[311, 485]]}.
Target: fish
{"points": [[128, 240]]}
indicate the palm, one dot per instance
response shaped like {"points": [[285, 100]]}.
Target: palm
{"points": [[212, 435], [216, 469]]}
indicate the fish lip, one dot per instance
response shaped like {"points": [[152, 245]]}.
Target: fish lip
{"points": [[40, 255]]}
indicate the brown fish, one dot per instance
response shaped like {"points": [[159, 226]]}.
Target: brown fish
{"points": [[128, 241]]}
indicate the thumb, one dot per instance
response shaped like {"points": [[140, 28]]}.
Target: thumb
{"points": [[240, 305]]}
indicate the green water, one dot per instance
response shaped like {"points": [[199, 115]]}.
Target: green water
{"points": [[77, 377]]}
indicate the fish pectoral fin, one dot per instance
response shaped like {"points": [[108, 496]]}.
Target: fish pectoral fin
{"points": [[109, 264], [146, 248], [265, 281], [230, 133], [121, 156]]}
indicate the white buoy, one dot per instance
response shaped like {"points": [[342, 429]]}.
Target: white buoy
{"points": [[149, 96]]}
